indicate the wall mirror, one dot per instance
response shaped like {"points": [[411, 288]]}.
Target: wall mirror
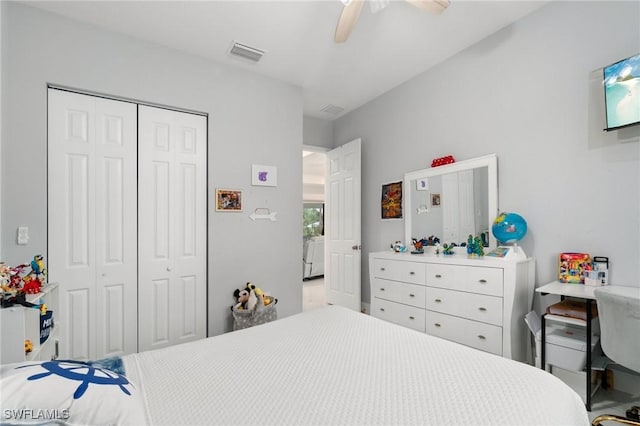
{"points": [[452, 201]]}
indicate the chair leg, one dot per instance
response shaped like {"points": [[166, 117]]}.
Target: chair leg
{"points": [[634, 413], [610, 417]]}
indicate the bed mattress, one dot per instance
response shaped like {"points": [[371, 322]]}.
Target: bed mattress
{"points": [[333, 366]]}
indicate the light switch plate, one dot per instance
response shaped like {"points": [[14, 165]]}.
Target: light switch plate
{"points": [[23, 235]]}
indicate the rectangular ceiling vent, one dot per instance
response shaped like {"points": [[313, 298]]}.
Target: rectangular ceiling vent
{"points": [[332, 109], [244, 51]]}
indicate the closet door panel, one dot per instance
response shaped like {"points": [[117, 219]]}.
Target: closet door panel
{"points": [[172, 217], [191, 208], [92, 222], [116, 231], [71, 218]]}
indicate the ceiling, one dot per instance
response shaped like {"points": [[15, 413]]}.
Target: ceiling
{"points": [[384, 50]]}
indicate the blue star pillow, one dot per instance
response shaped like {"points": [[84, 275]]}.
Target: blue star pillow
{"points": [[69, 392]]}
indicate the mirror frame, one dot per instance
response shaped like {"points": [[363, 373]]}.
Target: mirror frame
{"points": [[490, 161]]}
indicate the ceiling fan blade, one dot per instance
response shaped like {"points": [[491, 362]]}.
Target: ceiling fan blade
{"points": [[347, 21], [433, 6]]}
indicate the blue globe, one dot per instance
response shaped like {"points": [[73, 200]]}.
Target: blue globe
{"points": [[509, 227]]}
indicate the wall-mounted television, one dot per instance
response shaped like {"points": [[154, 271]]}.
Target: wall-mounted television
{"points": [[622, 93]]}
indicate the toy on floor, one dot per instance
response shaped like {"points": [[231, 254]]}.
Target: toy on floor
{"points": [[245, 298], [266, 300]]}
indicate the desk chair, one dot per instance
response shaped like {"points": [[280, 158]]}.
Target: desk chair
{"points": [[619, 311]]}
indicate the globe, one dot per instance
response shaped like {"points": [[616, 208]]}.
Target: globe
{"points": [[509, 227]]}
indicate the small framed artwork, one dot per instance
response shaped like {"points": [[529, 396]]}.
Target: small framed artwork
{"points": [[228, 200], [391, 201], [422, 184], [264, 175], [435, 199]]}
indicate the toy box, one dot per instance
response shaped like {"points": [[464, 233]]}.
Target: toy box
{"points": [[572, 267]]}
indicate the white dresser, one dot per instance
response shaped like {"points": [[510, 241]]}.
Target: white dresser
{"points": [[479, 302]]}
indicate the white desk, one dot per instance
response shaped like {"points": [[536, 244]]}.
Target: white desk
{"points": [[571, 290]]}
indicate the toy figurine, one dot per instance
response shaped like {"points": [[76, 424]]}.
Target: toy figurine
{"points": [[418, 248], [28, 346], [448, 249], [37, 267], [398, 247]]}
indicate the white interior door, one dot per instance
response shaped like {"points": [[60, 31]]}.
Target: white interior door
{"points": [[172, 227], [92, 223], [342, 226]]}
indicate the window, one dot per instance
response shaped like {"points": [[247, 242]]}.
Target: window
{"points": [[312, 219]]}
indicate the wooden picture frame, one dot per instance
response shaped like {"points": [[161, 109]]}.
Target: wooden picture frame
{"points": [[436, 200], [391, 201], [228, 200]]}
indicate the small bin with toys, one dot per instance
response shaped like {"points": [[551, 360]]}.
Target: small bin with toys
{"points": [[252, 307]]}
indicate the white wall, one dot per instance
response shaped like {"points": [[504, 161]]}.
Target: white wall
{"points": [[44, 48], [528, 93], [318, 132]]}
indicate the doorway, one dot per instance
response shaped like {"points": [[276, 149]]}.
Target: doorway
{"points": [[313, 181]]}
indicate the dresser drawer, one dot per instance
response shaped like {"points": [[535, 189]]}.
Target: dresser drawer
{"points": [[410, 272], [395, 291], [478, 335], [474, 279], [477, 307], [408, 316]]}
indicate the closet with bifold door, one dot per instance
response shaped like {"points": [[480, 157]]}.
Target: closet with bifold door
{"points": [[126, 211]]}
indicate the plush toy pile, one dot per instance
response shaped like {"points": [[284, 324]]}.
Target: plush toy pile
{"points": [[15, 282], [253, 307], [247, 298]]}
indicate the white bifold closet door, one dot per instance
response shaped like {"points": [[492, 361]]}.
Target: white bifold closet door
{"points": [[92, 224], [172, 158]]}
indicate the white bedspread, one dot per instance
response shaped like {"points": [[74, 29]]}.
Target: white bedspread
{"points": [[332, 366]]}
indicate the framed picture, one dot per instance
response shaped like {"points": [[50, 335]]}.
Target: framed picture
{"points": [[264, 175], [435, 199], [228, 200], [391, 201], [422, 184]]}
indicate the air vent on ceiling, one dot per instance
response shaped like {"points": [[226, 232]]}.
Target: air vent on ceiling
{"points": [[332, 109], [247, 52]]}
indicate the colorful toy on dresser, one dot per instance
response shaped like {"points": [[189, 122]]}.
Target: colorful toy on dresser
{"points": [[579, 268], [15, 283]]}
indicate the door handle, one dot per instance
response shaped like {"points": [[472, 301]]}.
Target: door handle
{"points": [[356, 247]]}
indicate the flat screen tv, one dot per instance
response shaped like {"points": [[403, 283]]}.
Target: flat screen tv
{"points": [[622, 93]]}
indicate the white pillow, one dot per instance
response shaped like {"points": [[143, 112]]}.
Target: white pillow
{"points": [[68, 392]]}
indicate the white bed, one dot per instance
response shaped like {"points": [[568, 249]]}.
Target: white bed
{"points": [[332, 366]]}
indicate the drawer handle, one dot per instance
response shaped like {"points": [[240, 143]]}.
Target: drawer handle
{"points": [[381, 288], [412, 273], [481, 309], [481, 337], [482, 281], [412, 295], [437, 324], [411, 318], [382, 269], [382, 309], [438, 276], [438, 301]]}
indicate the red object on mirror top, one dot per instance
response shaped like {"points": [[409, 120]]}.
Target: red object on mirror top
{"points": [[442, 161]]}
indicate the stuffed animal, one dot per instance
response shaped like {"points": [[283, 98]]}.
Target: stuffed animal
{"points": [[242, 296], [266, 300], [246, 298]]}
